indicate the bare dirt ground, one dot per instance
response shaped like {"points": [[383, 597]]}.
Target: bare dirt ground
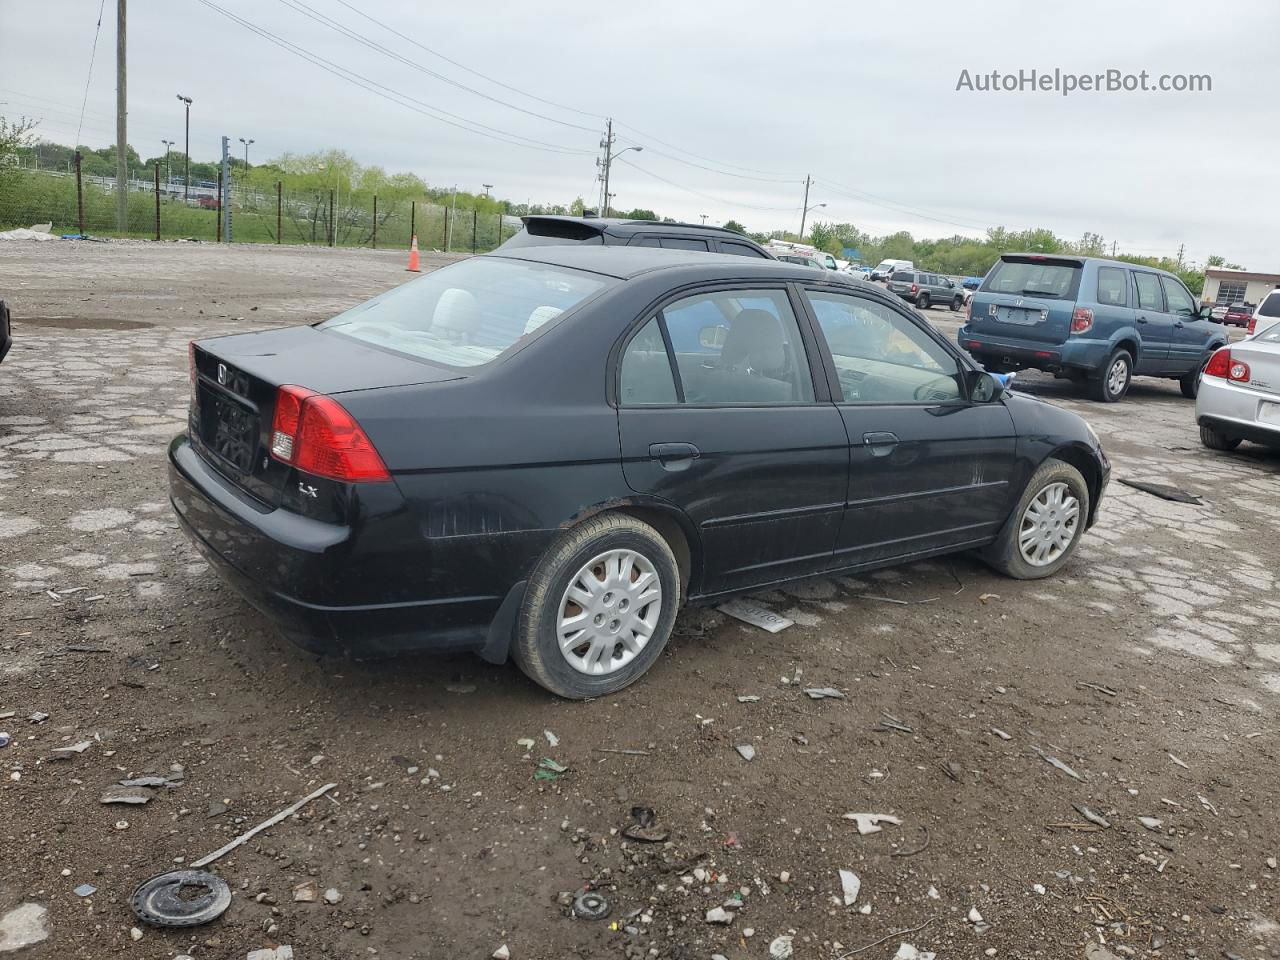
{"points": [[1150, 668]]}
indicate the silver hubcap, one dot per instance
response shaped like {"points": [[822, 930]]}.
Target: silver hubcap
{"points": [[609, 612], [1049, 525], [1118, 376]]}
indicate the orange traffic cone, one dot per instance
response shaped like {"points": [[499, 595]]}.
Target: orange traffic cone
{"points": [[413, 256]]}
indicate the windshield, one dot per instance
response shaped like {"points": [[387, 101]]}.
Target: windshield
{"points": [[1270, 306], [469, 313], [1034, 278]]}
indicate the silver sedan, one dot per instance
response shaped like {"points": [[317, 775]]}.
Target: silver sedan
{"points": [[1239, 396]]}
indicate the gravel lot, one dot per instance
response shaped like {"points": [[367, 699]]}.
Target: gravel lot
{"points": [[1150, 668]]}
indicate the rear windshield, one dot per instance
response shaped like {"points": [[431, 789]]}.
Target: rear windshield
{"points": [[546, 233], [1034, 278], [468, 313], [904, 276], [1270, 307]]}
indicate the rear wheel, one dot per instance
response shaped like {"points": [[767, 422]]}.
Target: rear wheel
{"points": [[1216, 440], [1045, 527], [957, 303], [1115, 379], [922, 302], [599, 608]]}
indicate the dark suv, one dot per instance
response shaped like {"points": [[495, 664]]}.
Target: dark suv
{"points": [[925, 289], [541, 231]]}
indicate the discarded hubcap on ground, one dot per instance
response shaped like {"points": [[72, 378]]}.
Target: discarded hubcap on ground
{"points": [[1048, 525], [183, 898], [609, 612]]}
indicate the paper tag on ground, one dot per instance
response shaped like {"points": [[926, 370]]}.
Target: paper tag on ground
{"points": [[755, 615]]}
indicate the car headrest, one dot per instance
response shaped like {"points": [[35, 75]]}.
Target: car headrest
{"points": [[754, 342], [541, 316], [456, 312]]}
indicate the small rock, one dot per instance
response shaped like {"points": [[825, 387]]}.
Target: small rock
{"points": [[1151, 823], [748, 932], [1038, 888], [850, 884], [216, 808], [784, 877], [719, 915], [780, 948], [974, 915], [306, 892], [824, 693], [933, 894], [22, 927], [502, 953], [132, 795], [1271, 863], [332, 896], [135, 934], [746, 751]]}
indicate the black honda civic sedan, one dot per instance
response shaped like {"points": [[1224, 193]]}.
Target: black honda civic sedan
{"points": [[542, 454]]}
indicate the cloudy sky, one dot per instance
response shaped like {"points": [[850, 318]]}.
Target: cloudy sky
{"points": [[734, 103]]}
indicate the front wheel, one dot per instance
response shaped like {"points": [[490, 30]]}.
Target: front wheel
{"points": [[599, 608], [1215, 440], [1116, 376], [1045, 527]]}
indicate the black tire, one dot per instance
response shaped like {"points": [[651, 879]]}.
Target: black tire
{"points": [[922, 302], [1103, 388], [1214, 440], [956, 304], [535, 647], [1004, 554], [1189, 383]]}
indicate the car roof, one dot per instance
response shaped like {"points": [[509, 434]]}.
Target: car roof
{"points": [[625, 263], [622, 225]]}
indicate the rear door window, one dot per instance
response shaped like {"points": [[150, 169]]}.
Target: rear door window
{"points": [[1179, 300], [739, 249], [1271, 306], [646, 242], [645, 376], [1034, 278], [684, 243], [1113, 287], [1149, 297]]}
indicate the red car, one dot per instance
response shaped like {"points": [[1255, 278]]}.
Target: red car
{"points": [[1237, 315]]}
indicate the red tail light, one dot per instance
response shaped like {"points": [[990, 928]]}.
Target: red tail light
{"points": [[314, 433], [1253, 323], [1224, 368], [915, 288], [1081, 320]]}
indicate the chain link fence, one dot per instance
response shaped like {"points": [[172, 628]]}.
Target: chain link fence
{"points": [[164, 210]]}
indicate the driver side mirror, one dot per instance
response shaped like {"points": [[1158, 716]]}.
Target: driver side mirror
{"points": [[985, 387], [1206, 312]]}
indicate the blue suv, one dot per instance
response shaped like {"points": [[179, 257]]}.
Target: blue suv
{"points": [[1090, 320]]}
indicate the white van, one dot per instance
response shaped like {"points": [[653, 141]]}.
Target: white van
{"points": [[887, 267]]}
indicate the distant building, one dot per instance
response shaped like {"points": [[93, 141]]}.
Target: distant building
{"points": [[1223, 286]]}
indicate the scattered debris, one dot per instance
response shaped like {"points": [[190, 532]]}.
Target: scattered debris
{"points": [[527, 742], [135, 934], [1271, 863], [756, 615], [502, 953], [1151, 823], [1178, 762], [625, 753], [920, 849], [270, 822], [824, 693], [1058, 764], [332, 896], [552, 739], [66, 752], [850, 884], [1163, 491], [133, 795], [1091, 816], [643, 828], [719, 915], [461, 688], [989, 596], [889, 722], [891, 936], [590, 906], [1096, 951], [38, 717], [1000, 733], [183, 898], [749, 698], [151, 780], [870, 822], [867, 596], [306, 892], [85, 890], [22, 927], [780, 948], [1101, 689], [282, 952], [907, 952], [548, 769], [746, 751], [953, 770], [1204, 802]]}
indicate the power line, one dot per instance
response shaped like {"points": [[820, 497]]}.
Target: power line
{"points": [[672, 146], [92, 54], [462, 66], [395, 96], [708, 196], [305, 10], [898, 208]]}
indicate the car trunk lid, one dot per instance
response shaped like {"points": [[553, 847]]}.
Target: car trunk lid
{"points": [[234, 385], [1263, 358], [1028, 297]]}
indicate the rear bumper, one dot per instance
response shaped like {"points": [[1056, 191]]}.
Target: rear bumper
{"points": [[1084, 355], [293, 569], [1236, 411]]}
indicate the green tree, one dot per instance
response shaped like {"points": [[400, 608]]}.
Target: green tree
{"points": [[735, 226]]}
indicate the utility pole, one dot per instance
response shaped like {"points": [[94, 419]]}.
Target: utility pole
{"points": [[805, 211], [168, 170], [224, 189], [607, 143], [448, 233], [704, 218], [1181, 249], [487, 188], [186, 173], [122, 132]]}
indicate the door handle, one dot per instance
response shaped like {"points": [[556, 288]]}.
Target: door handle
{"points": [[674, 456], [1178, 325], [881, 443], [1142, 319]]}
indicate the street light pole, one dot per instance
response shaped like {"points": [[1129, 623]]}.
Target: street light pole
{"points": [[168, 170], [487, 188], [246, 152], [608, 164], [186, 173]]}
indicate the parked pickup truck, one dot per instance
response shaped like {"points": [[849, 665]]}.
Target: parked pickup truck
{"points": [[1096, 321]]}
